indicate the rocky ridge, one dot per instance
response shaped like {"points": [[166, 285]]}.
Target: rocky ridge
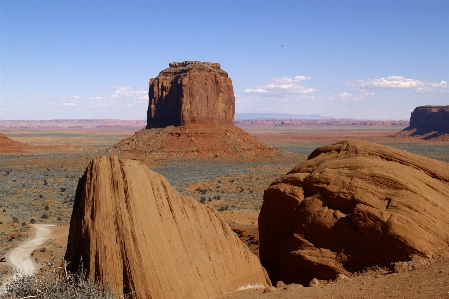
{"points": [[352, 205], [136, 234]]}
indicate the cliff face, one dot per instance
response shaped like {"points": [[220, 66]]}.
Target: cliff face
{"points": [[353, 204], [430, 118], [190, 92], [136, 234], [428, 122]]}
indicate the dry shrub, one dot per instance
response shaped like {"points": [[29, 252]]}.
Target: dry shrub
{"points": [[60, 284]]}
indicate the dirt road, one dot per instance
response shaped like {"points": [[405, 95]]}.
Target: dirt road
{"points": [[20, 257]]}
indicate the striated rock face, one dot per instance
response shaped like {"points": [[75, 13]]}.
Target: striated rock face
{"points": [[190, 92], [135, 233], [428, 122], [353, 204]]}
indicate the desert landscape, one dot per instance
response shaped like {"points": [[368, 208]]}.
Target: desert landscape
{"points": [[196, 204]]}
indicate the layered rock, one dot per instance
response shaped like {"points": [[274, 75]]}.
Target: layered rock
{"points": [[191, 115], [353, 204], [428, 122], [136, 234], [190, 92]]}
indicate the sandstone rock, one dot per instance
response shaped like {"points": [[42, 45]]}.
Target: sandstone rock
{"points": [[314, 283], [190, 92], [191, 115], [136, 234], [269, 289], [281, 285], [194, 141], [429, 122], [353, 204], [8, 145]]}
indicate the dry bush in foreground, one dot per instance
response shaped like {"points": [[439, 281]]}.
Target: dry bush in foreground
{"points": [[57, 285]]}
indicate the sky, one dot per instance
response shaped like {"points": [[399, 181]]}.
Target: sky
{"points": [[342, 59]]}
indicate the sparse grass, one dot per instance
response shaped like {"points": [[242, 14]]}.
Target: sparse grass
{"points": [[57, 285]]}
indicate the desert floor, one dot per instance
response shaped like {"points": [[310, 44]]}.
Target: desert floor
{"points": [[38, 187]]}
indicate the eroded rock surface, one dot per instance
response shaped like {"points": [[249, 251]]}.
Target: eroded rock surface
{"points": [[8, 145], [191, 115], [190, 92], [135, 233], [353, 204]]}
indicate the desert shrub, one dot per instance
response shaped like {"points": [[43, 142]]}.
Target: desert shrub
{"points": [[15, 219], [46, 208], [44, 216], [59, 218], [57, 285], [32, 221], [24, 223]]}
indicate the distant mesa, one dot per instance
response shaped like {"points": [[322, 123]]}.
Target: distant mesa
{"points": [[135, 233], [351, 205], [191, 115], [428, 122]]}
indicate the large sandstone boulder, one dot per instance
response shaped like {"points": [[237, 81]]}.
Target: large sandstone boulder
{"points": [[190, 92], [428, 122], [353, 204], [136, 234]]}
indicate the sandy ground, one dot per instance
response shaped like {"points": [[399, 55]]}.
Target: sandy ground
{"points": [[20, 257]]}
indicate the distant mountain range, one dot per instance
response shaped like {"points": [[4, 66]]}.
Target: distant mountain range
{"points": [[276, 115]]}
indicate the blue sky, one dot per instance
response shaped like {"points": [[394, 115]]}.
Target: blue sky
{"points": [[345, 59]]}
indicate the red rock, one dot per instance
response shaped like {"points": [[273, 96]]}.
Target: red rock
{"points": [[351, 205], [136, 234], [191, 115], [190, 92], [428, 122]]}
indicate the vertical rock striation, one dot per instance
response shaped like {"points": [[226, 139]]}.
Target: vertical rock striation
{"points": [[190, 92], [136, 234]]}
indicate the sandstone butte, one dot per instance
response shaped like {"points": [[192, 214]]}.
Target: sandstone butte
{"points": [[428, 122], [8, 145], [352, 205], [191, 115], [136, 234]]}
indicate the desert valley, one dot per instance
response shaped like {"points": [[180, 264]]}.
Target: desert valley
{"points": [[192, 203]]}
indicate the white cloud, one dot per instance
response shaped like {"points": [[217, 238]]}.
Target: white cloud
{"points": [[400, 82], [434, 88], [283, 87], [68, 104], [76, 97], [129, 93]]}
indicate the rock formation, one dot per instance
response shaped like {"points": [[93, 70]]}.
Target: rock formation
{"points": [[191, 115], [190, 92], [8, 145], [136, 234], [428, 122], [353, 204]]}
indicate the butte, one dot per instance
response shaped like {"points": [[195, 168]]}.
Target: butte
{"points": [[191, 115]]}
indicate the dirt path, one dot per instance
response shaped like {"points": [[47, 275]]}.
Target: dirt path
{"points": [[20, 257]]}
